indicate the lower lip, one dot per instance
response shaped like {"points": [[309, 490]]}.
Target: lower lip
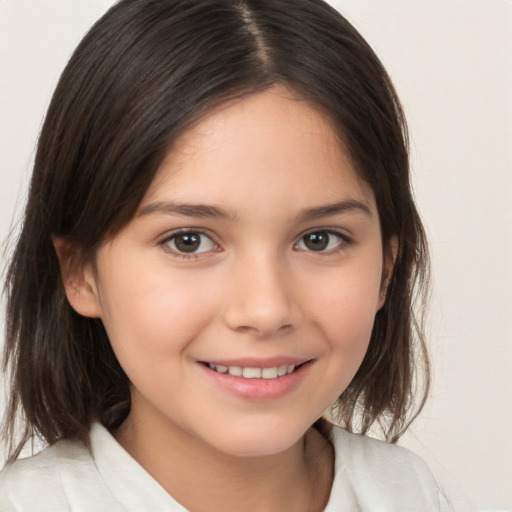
{"points": [[258, 389]]}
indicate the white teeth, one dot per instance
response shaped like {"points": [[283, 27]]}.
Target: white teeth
{"points": [[218, 367], [254, 373], [282, 370], [269, 373], [237, 371]]}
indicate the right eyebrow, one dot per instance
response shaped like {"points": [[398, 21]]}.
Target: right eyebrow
{"points": [[186, 210]]}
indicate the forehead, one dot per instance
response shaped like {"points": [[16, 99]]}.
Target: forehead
{"points": [[269, 147]]}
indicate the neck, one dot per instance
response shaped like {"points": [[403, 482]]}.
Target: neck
{"points": [[202, 478]]}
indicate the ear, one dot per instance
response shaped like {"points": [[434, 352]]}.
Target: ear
{"points": [[389, 258], [79, 279]]}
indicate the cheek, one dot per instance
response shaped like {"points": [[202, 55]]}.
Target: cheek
{"points": [[349, 318], [153, 316], [347, 301], [343, 309]]}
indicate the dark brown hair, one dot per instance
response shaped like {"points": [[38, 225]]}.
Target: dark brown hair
{"points": [[144, 72]]}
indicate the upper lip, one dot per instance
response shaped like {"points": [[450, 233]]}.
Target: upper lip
{"points": [[257, 362]]}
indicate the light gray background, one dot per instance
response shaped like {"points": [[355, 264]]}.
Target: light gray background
{"points": [[451, 61]]}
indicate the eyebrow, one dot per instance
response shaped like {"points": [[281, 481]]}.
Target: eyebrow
{"points": [[187, 210], [211, 211], [346, 206]]}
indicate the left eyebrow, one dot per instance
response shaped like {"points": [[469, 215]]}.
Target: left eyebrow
{"points": [[349, 205]]}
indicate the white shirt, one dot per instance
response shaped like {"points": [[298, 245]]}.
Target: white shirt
{"points": [[370, 476]]}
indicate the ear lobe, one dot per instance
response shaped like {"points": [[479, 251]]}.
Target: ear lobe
{"points": [[387, 268], [78, 279]]}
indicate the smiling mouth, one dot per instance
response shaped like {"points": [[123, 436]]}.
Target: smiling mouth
{"points": [[272, 373]]}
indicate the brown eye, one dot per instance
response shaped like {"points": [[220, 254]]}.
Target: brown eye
{"points": [[187, 243], [190, 242], [316, 241], [319, 241]]}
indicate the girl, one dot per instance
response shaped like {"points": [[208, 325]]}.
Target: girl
{"points": [[219, 245]]}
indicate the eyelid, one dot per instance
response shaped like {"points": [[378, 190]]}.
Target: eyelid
{"points": [[164, 240], [346, 240]]}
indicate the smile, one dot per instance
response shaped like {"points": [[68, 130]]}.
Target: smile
{"points": [[254, 373], [257, 379]]}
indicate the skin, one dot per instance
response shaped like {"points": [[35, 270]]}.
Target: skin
{"points": [[253, 289]]}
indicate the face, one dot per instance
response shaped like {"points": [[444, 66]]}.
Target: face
{"points": [[241, 298]]}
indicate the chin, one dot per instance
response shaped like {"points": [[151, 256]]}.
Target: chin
{"points": [[256, 440]]}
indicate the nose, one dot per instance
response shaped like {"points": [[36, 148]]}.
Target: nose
{"points": [[262, 299]]}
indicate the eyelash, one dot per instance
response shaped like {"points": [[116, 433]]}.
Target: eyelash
{"points": [[183, 255], [344, 242]]}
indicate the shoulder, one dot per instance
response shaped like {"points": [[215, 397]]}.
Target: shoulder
{"points": [[24, 483], [51, 480], [384, 476], [359, 451]]}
